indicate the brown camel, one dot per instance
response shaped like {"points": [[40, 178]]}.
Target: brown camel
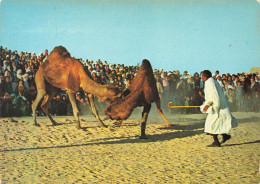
{"points": [[60, 70], [142, 92]]}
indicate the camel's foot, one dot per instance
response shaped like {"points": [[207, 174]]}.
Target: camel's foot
{"points": [[143, 137], [78, 126], [169, 124], [118, 123], [103, 126], [54, 123], [37, 125]]}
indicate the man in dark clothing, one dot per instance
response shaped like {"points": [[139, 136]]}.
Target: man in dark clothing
{"points": [[254, 93]]}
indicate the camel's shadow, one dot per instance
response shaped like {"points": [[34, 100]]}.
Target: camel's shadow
{"points": [[122, 140], [185, 130], [194, 126], [152, 138]]}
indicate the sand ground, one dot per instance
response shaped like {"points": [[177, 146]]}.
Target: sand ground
{"points": [[63, 154]]}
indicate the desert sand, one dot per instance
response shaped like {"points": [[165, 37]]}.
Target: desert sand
{"points": [[178, 154]]}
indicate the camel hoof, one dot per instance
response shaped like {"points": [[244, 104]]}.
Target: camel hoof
{"points": [[169, 125], [103, 126], [117, 124], [37, 125], [143, 137], [56, 124], [79, 127]]}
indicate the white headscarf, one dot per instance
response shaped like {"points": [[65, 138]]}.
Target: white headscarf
{"points": [[19, 74]]}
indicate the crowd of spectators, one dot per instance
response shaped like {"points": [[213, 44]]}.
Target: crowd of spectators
{"points": [[18, 91]]}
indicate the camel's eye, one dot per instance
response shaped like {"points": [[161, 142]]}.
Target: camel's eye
{"points": [[108, 100], [109, 109]]}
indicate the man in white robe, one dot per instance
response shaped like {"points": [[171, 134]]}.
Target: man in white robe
{"points": [[219, 119]]}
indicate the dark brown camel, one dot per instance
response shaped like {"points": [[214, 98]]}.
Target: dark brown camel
{"points": [[60, 70], [142, 92]]}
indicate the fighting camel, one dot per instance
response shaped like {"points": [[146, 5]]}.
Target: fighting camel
{"points": [[61, 71], [142, 92]]}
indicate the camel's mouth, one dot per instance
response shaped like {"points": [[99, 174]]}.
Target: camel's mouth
{"points": [[111, 115], [113, 118]]}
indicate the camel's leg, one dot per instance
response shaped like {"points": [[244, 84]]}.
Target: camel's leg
{"points": [[94, 110], [74, 107], [40, 94], [118, 122], [144, 120], [159, 110], [45, 107]]}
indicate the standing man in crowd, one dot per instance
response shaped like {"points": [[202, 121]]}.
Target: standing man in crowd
{"points": [[219, 116]]}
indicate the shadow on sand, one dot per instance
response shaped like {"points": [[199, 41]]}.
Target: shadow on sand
{"points": [[185, 131], [123, 140], [237, 144]]}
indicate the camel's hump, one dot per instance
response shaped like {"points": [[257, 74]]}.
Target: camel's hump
{"points": [[146, 63], [61, 51]]}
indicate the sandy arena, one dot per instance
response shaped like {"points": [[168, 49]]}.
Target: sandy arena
{"points": [[63, 154]]}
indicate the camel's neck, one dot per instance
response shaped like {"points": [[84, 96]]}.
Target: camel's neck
{"points": [[92, 87]]}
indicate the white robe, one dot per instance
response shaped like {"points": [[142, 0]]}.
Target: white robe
{"points": [[219, 119]]}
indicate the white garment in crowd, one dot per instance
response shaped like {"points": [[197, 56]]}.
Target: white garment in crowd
{"points": [[219, 119], [220, 83]]}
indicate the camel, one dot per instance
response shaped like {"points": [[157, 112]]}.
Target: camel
{"points": [[142, 92], [60, 70]]}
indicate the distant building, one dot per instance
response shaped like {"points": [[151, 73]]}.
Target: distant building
{"points": [[255, 70]]}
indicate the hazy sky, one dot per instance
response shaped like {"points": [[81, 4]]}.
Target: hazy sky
{"points": [[174, 35]]}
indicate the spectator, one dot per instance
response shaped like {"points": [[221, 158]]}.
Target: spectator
{"points": [[21, 105], [19, 74], [119, 82], [159, 86], [7, 107], [2, 86], [53, 106], [200, 97], [190, 86], [8, 85], [21, 89], [254, 93], [196, 78], [254, 87], [23, 66], [231, 99], [59, 107], [128, 83], [80, 103], [188, 103], [239, 96], [219, 80], [63, 105]]}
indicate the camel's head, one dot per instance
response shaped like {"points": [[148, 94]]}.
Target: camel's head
{"points": [[113, 94], [119, 110], [111, 113]]}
